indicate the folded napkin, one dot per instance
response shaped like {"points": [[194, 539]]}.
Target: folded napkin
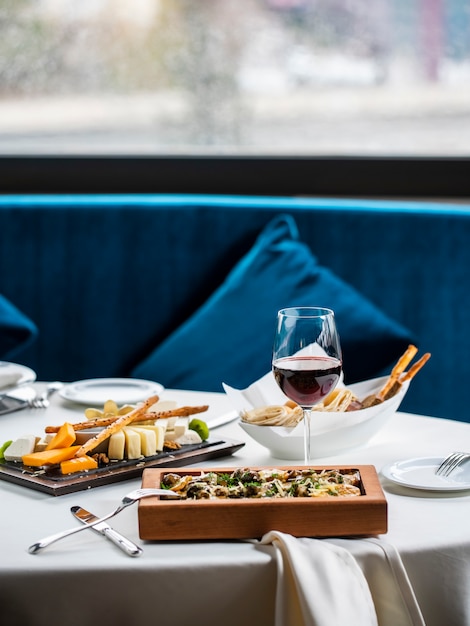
{"points": [[360, 582]]}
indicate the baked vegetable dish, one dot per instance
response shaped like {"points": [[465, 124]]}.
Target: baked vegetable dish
{"points": [[265, 483]]}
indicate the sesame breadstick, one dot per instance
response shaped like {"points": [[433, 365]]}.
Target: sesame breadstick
{"points": [[102, 422], [123, 420]]}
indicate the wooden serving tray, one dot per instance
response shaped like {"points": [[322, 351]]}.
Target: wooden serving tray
{"points": [[245, 518]]}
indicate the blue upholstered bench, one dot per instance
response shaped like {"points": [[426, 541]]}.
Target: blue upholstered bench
{"points": [[185, 289]]}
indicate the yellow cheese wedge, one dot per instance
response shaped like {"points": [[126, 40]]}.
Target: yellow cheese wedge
{"points": [[148, 440], [117, 446], [133, 446]]}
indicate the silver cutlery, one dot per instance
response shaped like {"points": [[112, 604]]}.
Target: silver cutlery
{"points": [[451, 462], [130, 498], [104, 529], [41, 401], [8, 404], [16, 399]]}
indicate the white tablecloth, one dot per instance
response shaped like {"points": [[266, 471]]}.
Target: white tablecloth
{"points": [[85, 579]]}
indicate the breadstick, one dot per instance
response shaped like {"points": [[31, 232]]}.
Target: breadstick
{"points": [[393, 379], [395, 382], [404, 361], [386, 389], [96, 423], [393, 390], [184, 411], [414, 369], [384, 393], [102, 422], [123, 420]]}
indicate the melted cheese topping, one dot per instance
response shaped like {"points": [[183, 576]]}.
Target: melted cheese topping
{"points": [[247, 483]]}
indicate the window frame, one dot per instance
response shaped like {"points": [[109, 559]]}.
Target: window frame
{"points": [[397, 177]]}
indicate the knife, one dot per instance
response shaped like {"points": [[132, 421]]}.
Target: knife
{"points": [[104, 529]]}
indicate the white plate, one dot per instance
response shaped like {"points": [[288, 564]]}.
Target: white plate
{"points": [[95, 391], [420, 473], [13, 375]]}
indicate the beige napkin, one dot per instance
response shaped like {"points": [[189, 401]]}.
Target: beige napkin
{"points": [[358, 582]]}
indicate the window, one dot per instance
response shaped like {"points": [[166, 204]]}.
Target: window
{"points": [[236, 80]]}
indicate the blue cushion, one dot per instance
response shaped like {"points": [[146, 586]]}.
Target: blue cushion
{"points": [[16, 330], [229, 339]]}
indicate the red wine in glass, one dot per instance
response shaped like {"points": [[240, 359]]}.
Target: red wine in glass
{"points": [[306, 359], [307, 379]]}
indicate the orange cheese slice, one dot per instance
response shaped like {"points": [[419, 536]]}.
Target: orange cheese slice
{"points": [[64, 438], [78, 464], [49, 457]]}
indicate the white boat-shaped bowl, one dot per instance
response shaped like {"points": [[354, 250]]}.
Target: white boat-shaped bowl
{"points": [[331, 432]]}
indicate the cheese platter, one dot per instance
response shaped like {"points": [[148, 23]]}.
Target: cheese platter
{"points": [[53, 482], [111, 445]]}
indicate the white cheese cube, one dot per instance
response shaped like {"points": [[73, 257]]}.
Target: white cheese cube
{"points": [[178, 431], [167, 422], [163, 405], [42, 443], [148, 440], [133, 447], [190, 437], [159, 435], [21, 446], [117, 446]]}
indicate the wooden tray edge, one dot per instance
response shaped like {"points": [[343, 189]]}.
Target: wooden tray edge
{"points": [[166, 520]]}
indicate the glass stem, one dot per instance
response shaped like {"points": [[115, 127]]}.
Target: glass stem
{"points": [[307, 439]]}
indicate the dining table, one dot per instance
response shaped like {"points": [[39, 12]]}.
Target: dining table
{"points": [[86, 579]]}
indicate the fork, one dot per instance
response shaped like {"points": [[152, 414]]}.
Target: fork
{"points": [[41, 401], [129, 499], [451, 462]]}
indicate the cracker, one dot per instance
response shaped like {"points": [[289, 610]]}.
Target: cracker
{"points": [[273, 415], [336, 401]]}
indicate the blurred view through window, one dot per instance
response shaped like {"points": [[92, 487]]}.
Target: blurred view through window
{"points": [[307, 77]]}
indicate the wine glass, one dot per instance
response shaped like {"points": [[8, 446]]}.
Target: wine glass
{"points": [[307, 359]]}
